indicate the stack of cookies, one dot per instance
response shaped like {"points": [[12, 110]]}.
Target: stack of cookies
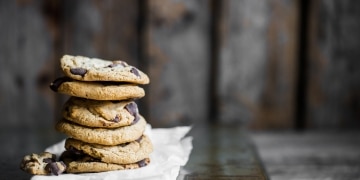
{"points": [[101, 118]]}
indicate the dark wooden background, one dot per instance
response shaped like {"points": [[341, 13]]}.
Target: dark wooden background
{"points": [[267, 64]]}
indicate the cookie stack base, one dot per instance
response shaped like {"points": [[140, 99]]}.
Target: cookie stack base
{"points": [[81, 163]]}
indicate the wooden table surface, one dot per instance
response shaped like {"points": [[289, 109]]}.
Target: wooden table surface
{"points": [[310, 155], [218, 153], [222, 152], [227, 153]]}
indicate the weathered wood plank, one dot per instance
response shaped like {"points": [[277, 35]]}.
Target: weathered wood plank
{"points": [[26, 47], [333, 67], [258, 63], [105, 29], [26, 50], [310, 155], [178, 61]]}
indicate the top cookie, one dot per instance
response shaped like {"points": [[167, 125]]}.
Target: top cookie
{"points": [[93, 69]]}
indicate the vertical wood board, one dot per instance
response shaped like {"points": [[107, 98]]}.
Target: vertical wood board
{"points": [[25, 51], [258, 63], [178, 61], [333, 65], [25, 58]]}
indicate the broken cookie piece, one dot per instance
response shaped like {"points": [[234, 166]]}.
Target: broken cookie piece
{"points": [[42, 164]]}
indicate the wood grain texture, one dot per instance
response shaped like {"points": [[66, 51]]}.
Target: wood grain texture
{"points": [[310, 155], [26, 103], [254, 75], [258, 63], [105, 29], [25, 44], [178, 61], [333, 67]]}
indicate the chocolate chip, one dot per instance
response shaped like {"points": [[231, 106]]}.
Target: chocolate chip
{"points": [[78, 71], [133, 110], [56, 84], [139, 139], [48, 160], [116, 119], [142, 163], [135, 71], [53, 168]]}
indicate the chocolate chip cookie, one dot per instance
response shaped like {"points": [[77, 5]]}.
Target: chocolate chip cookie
{"points": [[42, 164], [104, 114], [125, 153], [97, 90], [94, 69], [78, 162], [104, 136]]}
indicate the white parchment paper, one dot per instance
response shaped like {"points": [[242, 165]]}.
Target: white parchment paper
{"points": [[171, 151]]}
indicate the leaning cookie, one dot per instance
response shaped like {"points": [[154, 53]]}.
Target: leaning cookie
{"points": [[94, 69], [97, 90], [42, 164], [104, 114], [102, 136], [77, 162], [119, 154]]}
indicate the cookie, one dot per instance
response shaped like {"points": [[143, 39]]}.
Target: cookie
{"points": [[94, 69], [42, 164], [97, 90], [81, 163], [102, 136], [105, 114], [120, 154]]}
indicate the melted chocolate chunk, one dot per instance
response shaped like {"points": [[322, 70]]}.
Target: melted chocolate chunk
{"points": [[139, 139], [48, 160], [56, 84], [142, 163], [78, 71], [116, 119], [133, 110], [53, 168], [135, 71]]}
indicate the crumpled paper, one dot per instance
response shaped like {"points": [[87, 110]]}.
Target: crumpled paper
{"points": [[171, 151]]}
